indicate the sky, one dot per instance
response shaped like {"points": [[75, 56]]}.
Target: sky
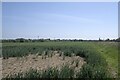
{"points": [[64, 20]]}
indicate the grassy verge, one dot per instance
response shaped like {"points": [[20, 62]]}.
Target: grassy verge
{"points": [[110, 52]]}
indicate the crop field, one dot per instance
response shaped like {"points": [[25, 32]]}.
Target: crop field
{"points": [[60, 59]]}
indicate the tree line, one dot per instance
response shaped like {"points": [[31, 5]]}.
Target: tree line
{"points": [[57, 40]]}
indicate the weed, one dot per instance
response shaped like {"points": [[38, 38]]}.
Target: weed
{"points": [[77, 62]]}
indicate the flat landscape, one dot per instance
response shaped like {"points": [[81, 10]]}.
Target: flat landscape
{"points": [[57, 59], [60, 40]]}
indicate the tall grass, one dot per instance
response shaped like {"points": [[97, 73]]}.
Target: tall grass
{"points": [[95, 67], [64, 72]]}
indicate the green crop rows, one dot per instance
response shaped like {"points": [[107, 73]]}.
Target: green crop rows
{"points": [[96, 65]]}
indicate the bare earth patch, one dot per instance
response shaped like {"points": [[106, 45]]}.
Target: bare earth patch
{"points": [[23, 64]]}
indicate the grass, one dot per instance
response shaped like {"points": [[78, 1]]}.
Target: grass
{"points": [[98, 55], [64, 72], [110, 52]]}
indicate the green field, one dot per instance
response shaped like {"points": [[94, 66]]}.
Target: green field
{"points": [[100, 56]]}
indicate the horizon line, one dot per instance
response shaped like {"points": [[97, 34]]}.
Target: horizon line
{"points": [[61, 38]]}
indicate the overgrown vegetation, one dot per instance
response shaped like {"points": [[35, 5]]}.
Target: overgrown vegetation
{"points": [[65, 72], [95, 67]]}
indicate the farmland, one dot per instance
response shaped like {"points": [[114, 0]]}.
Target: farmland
{"points": [[73, 59]]}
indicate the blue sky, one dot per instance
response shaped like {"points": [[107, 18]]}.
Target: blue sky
{"points": [[67, 20]]}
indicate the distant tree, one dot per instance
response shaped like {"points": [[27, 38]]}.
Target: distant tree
{"points": [[107, 39], [75, 40], [29, 40], [58, 39], [80, 40], [20, 40], [118, 40], [113, 40], [100, 39], [41, 40]]}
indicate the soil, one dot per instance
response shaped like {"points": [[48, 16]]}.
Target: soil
{"points": [[15, 65]]}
